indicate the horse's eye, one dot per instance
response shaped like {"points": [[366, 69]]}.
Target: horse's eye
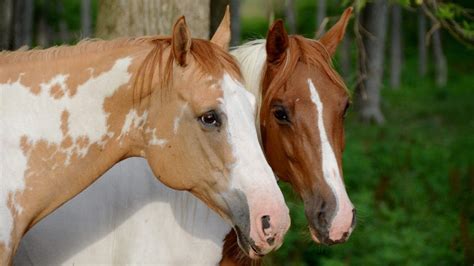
{"points": [[280, 113], [210, 119]]}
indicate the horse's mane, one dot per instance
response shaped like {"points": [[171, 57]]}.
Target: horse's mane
{"points": [[252, 57], [311, 52], [65, 51], [210, 58], [208, 55]]}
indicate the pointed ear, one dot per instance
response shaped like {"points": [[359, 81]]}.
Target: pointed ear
{"points": [[277, 42], [222, 35], [333, 37], [181, 41]]}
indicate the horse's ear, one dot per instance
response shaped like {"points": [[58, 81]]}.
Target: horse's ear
{"points": [[222, 35], [333, 37], [181, 41], [277, 42]]}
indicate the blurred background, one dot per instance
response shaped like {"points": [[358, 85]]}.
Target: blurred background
{"points": [[409, 157]]}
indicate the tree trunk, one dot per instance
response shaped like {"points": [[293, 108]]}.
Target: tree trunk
{"points": [[345, 57], [86, 18], [22, 23], [396, 47], [43, 32], [290, 16], [6, 17], [63, 34], [217, 12], [320, 15], [371, 57], [421, 42], [270, 11], [235, 22], [441, 69], [142, 17]]}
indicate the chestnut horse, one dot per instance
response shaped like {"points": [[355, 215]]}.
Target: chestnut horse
{"points": [[303, 104], [70, 113]]}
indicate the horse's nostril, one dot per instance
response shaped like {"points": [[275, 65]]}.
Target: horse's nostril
{"points": [[265, 222], [323, 205], [345, 235], [321, 218], [271, 240]]}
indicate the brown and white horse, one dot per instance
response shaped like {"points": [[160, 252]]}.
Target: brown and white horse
{"points": [[70, 113], [306, 134]]}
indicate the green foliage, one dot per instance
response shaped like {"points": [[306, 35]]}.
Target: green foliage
{"points": [[55, 11], [255, 28], [449, 10]]}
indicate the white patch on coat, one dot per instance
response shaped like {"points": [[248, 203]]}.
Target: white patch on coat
{"points": [[177, 119], [330, 166], [38, 117], [250, 173], [133, 121], [59, 80], [154, 140]]}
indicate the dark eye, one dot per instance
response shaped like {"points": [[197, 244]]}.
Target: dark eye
{"points": [[210, 119], [280, 113]]}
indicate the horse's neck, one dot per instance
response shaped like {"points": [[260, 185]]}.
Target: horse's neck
{"points": [[127, 217], [61, 122]]}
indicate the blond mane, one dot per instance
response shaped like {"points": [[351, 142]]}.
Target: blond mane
{"points": [[209, 56]]}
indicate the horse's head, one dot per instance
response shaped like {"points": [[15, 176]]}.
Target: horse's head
{"points": [[302, 115], [200, 136]]}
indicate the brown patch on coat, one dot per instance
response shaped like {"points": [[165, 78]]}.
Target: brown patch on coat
{"points": [[56, 91], [64, 122]]}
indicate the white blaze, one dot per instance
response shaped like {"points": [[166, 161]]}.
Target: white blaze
{"points": [[251, 173], [38, 117], [250, 162], [330, 167]]}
